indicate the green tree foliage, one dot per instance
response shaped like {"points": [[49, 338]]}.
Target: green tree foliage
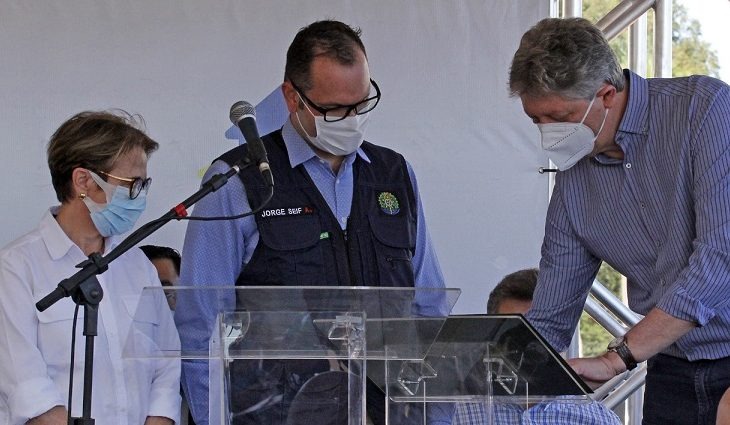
{"points": [[690, 55], [594, 10], [594, 337]]}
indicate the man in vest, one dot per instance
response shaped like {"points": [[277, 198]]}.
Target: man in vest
{"points": [[345, 212]]}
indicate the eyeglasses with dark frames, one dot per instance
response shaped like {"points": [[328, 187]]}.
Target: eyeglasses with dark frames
{"points": [[137, 184], [340, 112]]}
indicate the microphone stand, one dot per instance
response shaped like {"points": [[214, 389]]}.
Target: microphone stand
{"points": [[84, 288]]}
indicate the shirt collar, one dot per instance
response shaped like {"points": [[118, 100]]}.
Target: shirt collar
{"points": [[57, 241], [636, 115], [300, 151]]}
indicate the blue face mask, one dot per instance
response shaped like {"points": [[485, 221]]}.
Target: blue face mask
{"points": [[120, 213]]}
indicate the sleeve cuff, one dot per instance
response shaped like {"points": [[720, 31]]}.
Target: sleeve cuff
{"points": [[165, 403], [32, 398], [685, 307]]}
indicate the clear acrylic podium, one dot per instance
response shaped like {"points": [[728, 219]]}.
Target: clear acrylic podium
{"points": [[348, 355], [494, 367]]}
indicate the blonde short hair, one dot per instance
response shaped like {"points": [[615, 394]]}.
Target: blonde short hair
{"points": [[93, 140]]}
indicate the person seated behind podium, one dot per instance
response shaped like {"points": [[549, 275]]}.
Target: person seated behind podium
{"points": [[513, 295], [98, 165], [167, 262]]}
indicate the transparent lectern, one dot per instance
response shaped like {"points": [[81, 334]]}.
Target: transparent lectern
{"points": [[356, 355], [289, 355], [490, 369]]}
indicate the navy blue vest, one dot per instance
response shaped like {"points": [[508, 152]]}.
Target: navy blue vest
{"points": [[301, 242]]}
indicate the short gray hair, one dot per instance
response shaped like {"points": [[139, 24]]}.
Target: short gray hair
{"points": [[567, 57]]}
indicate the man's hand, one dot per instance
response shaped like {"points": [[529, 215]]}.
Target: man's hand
{"points": [[158, 420], [656, 331], [56, 416], [595, 371]]}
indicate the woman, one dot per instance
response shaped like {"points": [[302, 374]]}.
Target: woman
{"points": [[98, 165]]}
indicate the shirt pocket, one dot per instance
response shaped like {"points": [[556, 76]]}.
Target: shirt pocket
{"points": [[54, 334], [144, 321], [393, 240]]}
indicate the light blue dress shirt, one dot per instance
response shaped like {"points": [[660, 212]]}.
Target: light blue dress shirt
{"points": [[215, 252]]}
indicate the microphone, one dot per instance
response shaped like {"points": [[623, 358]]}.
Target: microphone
{"points": [[243, 115]]}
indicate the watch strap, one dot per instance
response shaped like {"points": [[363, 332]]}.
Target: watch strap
{"points": [[623, 351]]}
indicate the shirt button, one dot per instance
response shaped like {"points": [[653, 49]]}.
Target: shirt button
{"points": [[343, 219], [628, 165], [643, 205]]}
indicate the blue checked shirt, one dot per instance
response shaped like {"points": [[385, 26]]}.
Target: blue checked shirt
{"points": [[660, 216], [215, 252], [547, 413]]}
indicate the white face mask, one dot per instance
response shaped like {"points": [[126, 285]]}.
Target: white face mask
{"points": [[339, 137], [566, 143]]}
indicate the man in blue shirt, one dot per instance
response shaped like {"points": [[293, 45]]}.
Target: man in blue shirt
{"points": [[643, 185], [344, 212]]}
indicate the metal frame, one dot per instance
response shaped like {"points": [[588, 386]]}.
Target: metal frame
{"points": [[611, 313]]}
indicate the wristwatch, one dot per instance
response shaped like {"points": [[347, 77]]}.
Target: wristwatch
{"points": [[620, 347]]}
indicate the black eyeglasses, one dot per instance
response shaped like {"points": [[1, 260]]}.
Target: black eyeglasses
{"points": [[137, 184], [340, 112]]}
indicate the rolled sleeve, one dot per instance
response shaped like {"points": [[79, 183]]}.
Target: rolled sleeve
{"points": [[165, 402], [24, 381], [32, 398], [701, 288]]}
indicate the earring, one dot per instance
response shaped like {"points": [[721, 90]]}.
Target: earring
{"points": [[82, 195]]}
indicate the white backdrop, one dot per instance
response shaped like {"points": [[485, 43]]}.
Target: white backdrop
{"points": [[442, 67]]}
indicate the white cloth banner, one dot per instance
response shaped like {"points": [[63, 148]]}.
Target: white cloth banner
{"points": [[442, 67]]}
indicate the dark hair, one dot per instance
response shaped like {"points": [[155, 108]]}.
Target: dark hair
{"points": [[93, 140], [519, 285], [333, 39], [154, 252]]}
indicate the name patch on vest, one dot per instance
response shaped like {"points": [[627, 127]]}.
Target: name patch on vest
{"points": [[285, 212]]}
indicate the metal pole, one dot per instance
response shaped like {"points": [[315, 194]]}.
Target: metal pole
{"points": [[637, 46], [572, 8], [622, 392], [603, 317], [622, 16], [663, 38], [636, 406], [574, 349], [613, 304]]}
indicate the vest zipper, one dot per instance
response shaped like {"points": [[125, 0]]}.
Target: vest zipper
{"points": [[353, 280]]}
